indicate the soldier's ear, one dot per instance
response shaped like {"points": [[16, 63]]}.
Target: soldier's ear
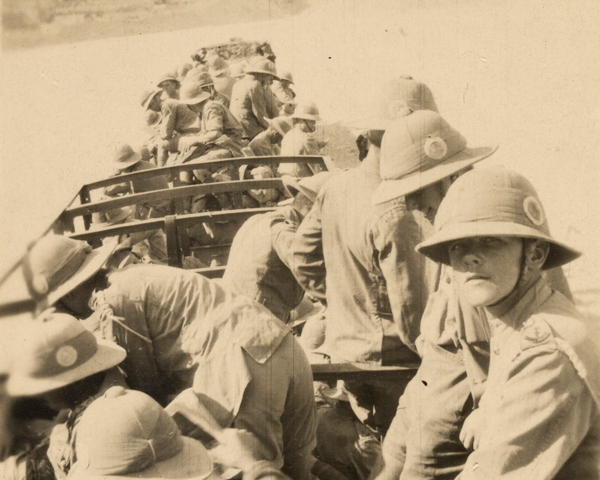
{"points": [[536, 252]]}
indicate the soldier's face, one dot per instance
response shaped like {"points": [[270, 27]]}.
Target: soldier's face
{"points": [[427, 200], [486, 269], [170, 87]]}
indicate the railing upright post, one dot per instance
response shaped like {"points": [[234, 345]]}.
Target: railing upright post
{"points": [[173, 253]]}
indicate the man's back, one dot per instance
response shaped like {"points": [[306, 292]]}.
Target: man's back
{"points": [[356, 237], [257, 265], [248, 105]]}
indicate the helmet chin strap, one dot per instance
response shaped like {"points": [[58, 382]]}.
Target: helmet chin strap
{"points": [[523, 271]]}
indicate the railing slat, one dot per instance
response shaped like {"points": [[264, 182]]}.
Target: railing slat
{"points": [[174, 170], [360, 371], [170, 194]]}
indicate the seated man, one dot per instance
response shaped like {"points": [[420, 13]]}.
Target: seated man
{"points": [[268, 142], [249, 99], [223, 83], [126, 161], [169, 84], [149, 246], [177, 120], [183, 331], [299, 141], [260, 255], [66, 367], [283, 93], [220, 137], [115, 431], [539, 416]]}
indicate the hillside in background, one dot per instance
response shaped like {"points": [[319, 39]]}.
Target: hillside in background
{"points": [[35, 23]]}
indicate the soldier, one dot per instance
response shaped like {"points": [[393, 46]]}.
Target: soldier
{"points": [[126, 434], [268, 142], [539, 416], [260, 259], [65, 366], [220, 137], [126, 160], [299, 141], [418, 164], [132, 247], [223, 83], [376, 317], [249, 97], [177, 120], [284, 94], [169, 83], [188, 335]]}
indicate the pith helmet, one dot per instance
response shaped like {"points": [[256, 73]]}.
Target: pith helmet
{"points": [[306, 111], [56, 264], [263, 65], [126, 434], [199, 75], [419, 150], [182, 71], [152, 118], [287, 76], [397, 98], [281, 124], [216, 65], [59, 351], [148, 96], [192, 94], [237, 69], [309, 186], [167, 77], [124, 157], [492, 201]]}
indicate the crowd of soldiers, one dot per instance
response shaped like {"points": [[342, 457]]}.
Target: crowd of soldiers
{"points": [[415, 257]]}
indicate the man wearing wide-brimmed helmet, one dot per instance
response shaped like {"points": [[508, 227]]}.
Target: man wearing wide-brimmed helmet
{"points": [[359, 259], [187, 335], [176, 120], [421, 156], [250, 97], [538, 414], [300, 141]]}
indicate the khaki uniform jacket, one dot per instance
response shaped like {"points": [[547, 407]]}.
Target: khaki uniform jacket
{"points": [[249, 105], [541, 400], [260, 259], [359, 259], [181, 330]]}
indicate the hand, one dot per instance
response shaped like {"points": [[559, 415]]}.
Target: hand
{"points": [[470, 434], [238, 448]]}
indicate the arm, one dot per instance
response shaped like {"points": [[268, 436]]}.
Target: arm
{"points": [[118, 189], [167, 126], [259, 104], [541, 417], [395, 235], [212, 117], [273, 103], [283, 238], [139, 365], [308, 263]]}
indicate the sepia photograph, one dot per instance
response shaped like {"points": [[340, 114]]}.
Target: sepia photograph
{"points": [[300, 239]]}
